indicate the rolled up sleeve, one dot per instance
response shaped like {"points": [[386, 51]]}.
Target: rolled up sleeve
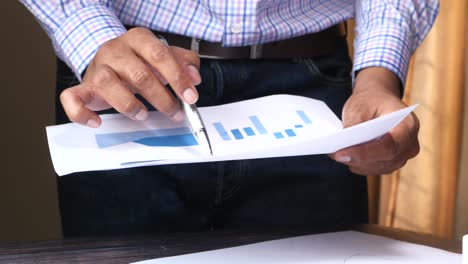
{"points": [[77, 28], [389, 31]]}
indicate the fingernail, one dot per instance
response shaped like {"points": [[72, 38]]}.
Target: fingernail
{"points": [[92, 123], [179, 116], [343, 159], [195, 74], [190, 96], [142, 115]]}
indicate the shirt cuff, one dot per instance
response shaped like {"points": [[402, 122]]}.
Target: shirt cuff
{"points": [[79, 37], [386, 47]]}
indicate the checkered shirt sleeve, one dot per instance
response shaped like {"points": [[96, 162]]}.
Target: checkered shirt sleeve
{"points": [[389, 31], [77, 28]]}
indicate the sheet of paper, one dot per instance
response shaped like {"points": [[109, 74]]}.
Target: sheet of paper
{"points": [[346, 247], [272, 126]]}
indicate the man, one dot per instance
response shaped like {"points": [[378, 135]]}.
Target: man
{"points": [[248, 49]]}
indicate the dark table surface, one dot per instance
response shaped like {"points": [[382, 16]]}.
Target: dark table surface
{"points": [[136, 248]]}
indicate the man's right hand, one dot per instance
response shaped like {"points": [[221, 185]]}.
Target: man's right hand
{"points": [[136, 62]]}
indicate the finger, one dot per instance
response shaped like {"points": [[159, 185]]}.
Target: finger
{"points": [[189, 61], [414, 151], [407, 131], [382, 149], [159, 56], [190, 69], [106, 84], [400, 141], [157, 74], [383, 167], [188, 57], [74, 101], [134, 72]]}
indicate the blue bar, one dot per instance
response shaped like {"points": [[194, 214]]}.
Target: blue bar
{"points": [[237, 134], [304, 117], [290, 132], [258, 125], [113, 139], [169, 141], [278, 135], [249, 131], [222, 132], [298, 126]]}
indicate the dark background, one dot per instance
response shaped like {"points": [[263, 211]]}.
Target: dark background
{"points": [[28, 197]]}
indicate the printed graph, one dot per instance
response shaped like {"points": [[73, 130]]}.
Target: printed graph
{"points": [[257, 128], [171, 137]]}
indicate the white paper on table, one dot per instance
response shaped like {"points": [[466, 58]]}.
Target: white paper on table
{"points": [[347, 247], [307, 127]]}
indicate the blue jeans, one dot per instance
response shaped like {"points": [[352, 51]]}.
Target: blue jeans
{"points": [[306, 191]]}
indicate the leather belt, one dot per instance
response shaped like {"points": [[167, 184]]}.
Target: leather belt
{"points": [[310, 45]]}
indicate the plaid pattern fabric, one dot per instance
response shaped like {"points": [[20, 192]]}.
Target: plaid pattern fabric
{"points": [[387, 32]]}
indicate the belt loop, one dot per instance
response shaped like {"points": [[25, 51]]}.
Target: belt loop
{"points": [[256, 51], [195, 45]]}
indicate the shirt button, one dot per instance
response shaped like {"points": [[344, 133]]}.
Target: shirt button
{"points": [[236, 28]]}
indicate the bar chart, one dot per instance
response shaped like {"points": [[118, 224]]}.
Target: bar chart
{"points": [[182, 136], [171, 137], [257, 128]]}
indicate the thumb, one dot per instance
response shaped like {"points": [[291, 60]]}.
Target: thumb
{"points": [[356, 111], [76, 102]]}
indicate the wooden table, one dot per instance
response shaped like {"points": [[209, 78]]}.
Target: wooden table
{"points": [[136, 248]]}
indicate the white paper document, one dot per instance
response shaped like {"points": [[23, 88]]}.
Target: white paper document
{"points": [[348, 247], [272, 126]]}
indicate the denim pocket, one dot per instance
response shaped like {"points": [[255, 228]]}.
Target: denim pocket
{"points": [[329, 72], [212, 85]]}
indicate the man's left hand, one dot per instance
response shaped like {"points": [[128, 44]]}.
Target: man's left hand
{"points": [[376, 93]]}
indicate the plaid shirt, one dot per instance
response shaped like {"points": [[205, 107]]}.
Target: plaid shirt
{"points": [[387, 32]]}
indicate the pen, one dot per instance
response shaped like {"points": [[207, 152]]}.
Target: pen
{"points": [[195, 122], [193, 117]]}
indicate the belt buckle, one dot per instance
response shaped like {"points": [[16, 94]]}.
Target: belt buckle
{"points": [[256, 51], [195, 47]]}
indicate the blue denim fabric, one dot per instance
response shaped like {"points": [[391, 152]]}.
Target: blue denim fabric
{"points": [[307, 191]]}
